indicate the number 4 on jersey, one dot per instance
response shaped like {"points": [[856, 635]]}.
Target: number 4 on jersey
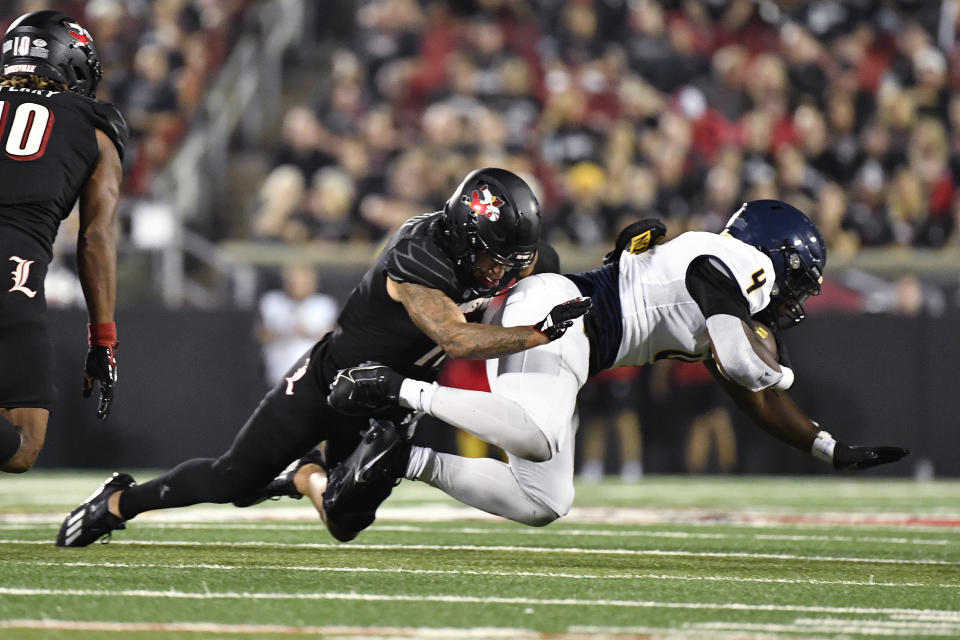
{"points": [[26, 130]]}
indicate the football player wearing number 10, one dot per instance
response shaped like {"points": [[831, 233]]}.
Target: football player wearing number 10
{"points": [[58, 144], [409, 310], [694, 298]]}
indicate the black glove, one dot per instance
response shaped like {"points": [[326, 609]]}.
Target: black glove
{"points": [[562, 316], [848, 458], [637, 237], [101, 366]]}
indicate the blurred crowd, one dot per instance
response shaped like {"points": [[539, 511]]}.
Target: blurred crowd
{"points": [[158, 56], [680, 109]]}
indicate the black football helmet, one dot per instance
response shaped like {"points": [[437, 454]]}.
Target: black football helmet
{"points": [[794, 245], [53, 45], [493, 211]]}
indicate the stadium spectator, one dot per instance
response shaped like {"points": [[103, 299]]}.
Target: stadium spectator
{"points": [[304, 143], [609, 422], [292, 319], [43, 172]]}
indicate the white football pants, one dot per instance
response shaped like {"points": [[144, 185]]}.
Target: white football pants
{"points": [[544, 382]]}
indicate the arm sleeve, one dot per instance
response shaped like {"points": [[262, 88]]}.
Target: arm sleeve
{"points": [[713, 288], [737, 359]]}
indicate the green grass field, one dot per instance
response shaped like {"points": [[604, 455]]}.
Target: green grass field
{"points": [[668, 557]]}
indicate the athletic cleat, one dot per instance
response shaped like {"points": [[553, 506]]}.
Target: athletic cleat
{"points": [[366, 389], [282, 486], [92, 520], [368, 474]]}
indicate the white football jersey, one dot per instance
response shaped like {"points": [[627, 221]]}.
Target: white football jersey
{"points": [[660, 318]]}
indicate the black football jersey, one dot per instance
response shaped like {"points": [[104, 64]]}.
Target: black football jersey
{"points": [[48, 149], [372, 326]]}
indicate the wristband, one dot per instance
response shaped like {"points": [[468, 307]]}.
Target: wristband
{"points": [[102, 334], [786, 381], [823, 446]]}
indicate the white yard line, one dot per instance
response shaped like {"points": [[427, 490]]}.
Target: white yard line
{"points": [[835, 628], [276, 629], [939, 615], [513, 548], [538, 532], [442, 512], [469, 572]]}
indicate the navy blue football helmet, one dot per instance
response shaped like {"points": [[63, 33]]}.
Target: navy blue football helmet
{"points": [[794, 245], [492, 211], [53, 45]]}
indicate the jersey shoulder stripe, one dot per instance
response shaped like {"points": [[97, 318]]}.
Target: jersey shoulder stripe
{"points": [[107, 118], [421, 261]]}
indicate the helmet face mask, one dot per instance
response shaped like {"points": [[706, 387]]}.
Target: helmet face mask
{"points": [[794, 245], [798, 284], [53, 45], [493, 212]]}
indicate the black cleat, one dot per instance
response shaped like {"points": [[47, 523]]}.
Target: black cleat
{"points": [[282, 486], [366, 389], [357, 486], [92, 520]]}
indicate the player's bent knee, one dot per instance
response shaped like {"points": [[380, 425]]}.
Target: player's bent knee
{"points": [[18, 464], [536, 448], [22, 461], [541, 517], [231, 482]]}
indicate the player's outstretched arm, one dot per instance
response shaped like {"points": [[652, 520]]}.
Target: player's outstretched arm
{"points": [[777, 414], [97, 268], [441, 319]]}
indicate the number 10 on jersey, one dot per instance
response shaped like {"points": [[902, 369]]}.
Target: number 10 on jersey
{"points": [[25, 132]]}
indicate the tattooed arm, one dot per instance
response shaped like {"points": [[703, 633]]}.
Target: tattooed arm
{"points": [[441, 319]]}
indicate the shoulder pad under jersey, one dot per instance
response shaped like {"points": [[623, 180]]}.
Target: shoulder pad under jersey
{"points": [[107, 118], [421, 261]]}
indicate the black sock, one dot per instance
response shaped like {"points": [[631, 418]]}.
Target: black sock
{"points": [[9, 440], [190, 482]]}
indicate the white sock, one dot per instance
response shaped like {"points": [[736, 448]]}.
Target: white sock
{"points": [[823, 446], [417, 395]]}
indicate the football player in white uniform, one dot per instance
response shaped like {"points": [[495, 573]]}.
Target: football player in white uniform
{"points": [[695, 298]]}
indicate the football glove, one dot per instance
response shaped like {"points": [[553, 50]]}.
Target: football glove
{"points": [[370, 388], [637, 237], [854, 458], [101, 366], [562, 316]]}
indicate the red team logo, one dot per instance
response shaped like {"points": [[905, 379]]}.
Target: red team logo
{"points": [[81, 35], [20, 275], [484, 203]]}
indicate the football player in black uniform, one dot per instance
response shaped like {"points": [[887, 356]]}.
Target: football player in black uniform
{"points": [[409, 310], [58, 144]]}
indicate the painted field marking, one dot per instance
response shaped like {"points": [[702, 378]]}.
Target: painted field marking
{"points": [[471, 572], [441, 512], [276, 629], [538, 532], [512, 548], [942, 615], [843, 628]]}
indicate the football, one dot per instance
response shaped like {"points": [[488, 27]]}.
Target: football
{"points": [[765, 334]]}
